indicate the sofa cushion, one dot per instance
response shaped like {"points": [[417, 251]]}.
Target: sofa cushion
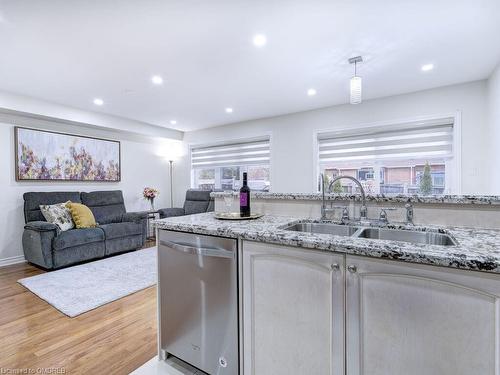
{"points": [[117, 230], [119, 245], [82, 216], [77, 237], [59, 215], [33, 200], [104, 203], [78, 254]]}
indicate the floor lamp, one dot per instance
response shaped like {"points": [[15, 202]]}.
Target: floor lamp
{"points": [[171, 162]]}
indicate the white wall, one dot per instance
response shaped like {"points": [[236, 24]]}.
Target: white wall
{"points": [[292, 135], [140, 163], [494, 126]]}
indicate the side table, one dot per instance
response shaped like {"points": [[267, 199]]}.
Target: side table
{"points": [[150, 230]]}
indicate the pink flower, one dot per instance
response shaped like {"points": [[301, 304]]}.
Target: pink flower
{"points": [[150, 193]]}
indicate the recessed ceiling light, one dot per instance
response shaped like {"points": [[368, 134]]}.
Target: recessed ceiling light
{"points": [[229, 110], [427, 67], [259, 40], [311, 92], [173, 122], [98, 101], [157, 80]]}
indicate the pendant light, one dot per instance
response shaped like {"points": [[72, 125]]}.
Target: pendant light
{"points": [[356, 82]]}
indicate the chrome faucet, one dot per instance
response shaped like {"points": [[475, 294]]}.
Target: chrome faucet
{"points": [[324, 209], [362, 211]]}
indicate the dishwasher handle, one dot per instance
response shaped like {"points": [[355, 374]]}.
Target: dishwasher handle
{"points": [[203, 251]]}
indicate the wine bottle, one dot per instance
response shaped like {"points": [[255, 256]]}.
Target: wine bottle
{"points": [[245, 197]]}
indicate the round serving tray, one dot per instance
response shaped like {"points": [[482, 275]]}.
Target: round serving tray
{"points": [[235, 216]]}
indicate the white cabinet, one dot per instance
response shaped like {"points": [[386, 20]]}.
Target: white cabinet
{"points": [[410, 319], [400, 318], [293, 311]]}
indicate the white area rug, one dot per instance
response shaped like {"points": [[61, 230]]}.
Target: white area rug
{"points": [[82, 288]]}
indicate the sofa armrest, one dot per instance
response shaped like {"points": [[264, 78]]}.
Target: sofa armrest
{"points": [[136, 217], [37, 242], [41, 226], [171, 212]]}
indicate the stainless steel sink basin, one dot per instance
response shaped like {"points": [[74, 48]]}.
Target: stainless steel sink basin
{"points": [[374, 233], [429, 238], [323, 228]]}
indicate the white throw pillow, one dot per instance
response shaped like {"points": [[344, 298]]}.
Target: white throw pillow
{"points": [[59, 215]]}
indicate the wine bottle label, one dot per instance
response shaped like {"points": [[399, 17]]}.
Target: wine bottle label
{"points": [[244, 199]]}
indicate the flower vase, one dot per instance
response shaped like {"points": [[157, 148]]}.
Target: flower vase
{"points": [[152, 202]]}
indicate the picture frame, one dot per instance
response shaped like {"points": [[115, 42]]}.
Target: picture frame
{"points": [[43, 155]]}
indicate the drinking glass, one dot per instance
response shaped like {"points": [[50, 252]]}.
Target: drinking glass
{"points": [[228, 200]]}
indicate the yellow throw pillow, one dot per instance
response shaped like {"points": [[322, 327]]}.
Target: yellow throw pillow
{"points": [[82, 216]]}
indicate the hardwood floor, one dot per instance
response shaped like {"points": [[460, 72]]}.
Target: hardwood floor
{"points": [[114, 339]]}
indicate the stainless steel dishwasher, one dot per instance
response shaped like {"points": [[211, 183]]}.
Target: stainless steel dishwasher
{"points": [[198, 301]]}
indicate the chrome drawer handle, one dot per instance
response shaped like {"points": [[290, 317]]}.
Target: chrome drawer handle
{"points": [[203, 251], [335, 267]]}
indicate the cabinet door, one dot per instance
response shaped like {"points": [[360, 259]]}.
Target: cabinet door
{"points": [[410, 319], [293, 311]]}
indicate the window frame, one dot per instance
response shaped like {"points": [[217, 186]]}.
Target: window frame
{"points": [[453, 180]]}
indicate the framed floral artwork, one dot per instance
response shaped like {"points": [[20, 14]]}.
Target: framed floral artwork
{"points": [[50, 156]]}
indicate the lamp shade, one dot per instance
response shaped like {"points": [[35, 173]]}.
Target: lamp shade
{"points": [[169, 149], [356, 90]]}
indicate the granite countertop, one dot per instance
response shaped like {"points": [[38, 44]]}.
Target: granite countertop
{"points": [[378, 198], [477, 249]]}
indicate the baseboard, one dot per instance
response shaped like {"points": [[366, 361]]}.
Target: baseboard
{"points": [[12, 260]]}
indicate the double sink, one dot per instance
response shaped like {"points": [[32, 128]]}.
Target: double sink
{"points": [[412, 236]]}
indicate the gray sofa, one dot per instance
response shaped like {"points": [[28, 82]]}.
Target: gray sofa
{"points": [[197, 202], [118, 231]]}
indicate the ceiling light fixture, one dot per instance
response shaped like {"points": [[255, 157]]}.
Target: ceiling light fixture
{"points": [[229, 110], [173, 122], [98, 101], [356, 82], [259, 40], [427, 67], [311, 92], [157, 80]]}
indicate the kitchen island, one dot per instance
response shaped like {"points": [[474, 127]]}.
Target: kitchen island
{"points": [[328, 304]]}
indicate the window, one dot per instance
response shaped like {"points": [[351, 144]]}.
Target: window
{"points": [[221, 167], [390, 160]]}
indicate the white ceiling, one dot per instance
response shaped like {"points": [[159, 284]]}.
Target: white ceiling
{"points": [[70, 52]]}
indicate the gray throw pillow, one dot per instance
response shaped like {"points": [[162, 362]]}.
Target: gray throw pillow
{"points": [[59, 215]]}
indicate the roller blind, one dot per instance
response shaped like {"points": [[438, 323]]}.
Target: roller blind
{"points": [[407, 142], [254, 152]]}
